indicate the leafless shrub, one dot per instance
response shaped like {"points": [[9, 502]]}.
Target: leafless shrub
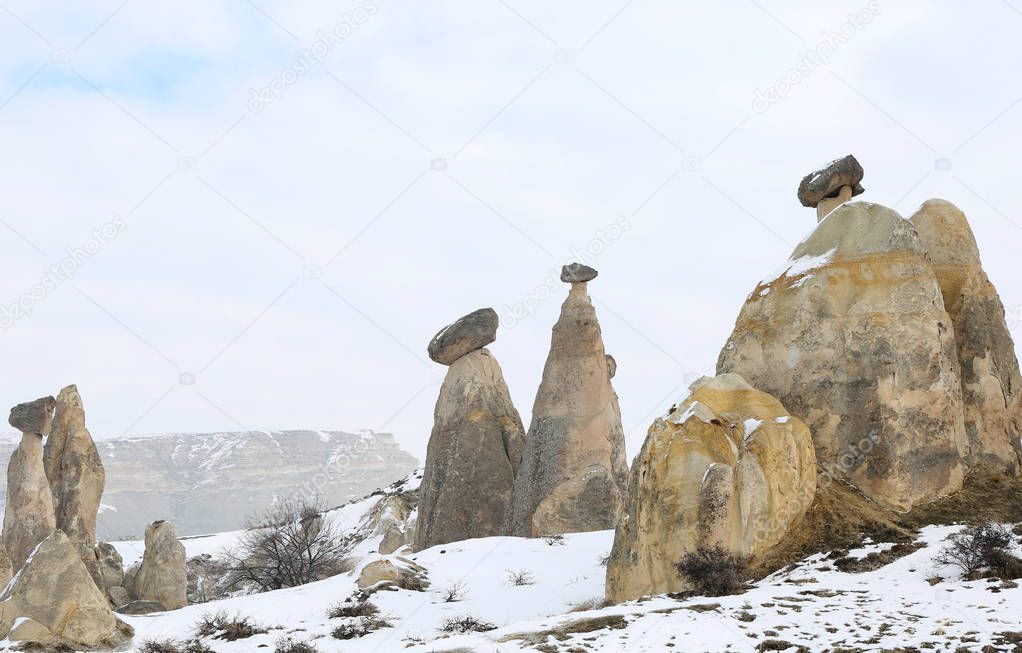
{"points": [[976, 547], [453, 592], [219, 625], [520, 577], [289, 544], [360, 628], [713, 571], [466, 624], [290, 645], [353, 609], [554, 540], [594, 603], [169, 646]]}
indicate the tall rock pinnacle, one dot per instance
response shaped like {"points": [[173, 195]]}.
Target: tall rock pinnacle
{"points": [[476, 443], [573, 472], [28, 516]]}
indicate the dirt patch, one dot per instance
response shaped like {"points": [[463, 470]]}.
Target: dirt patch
{"points": [[566, 630]]}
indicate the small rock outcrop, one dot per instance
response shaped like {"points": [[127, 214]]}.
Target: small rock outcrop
{"points": [[473, 450], [76, 475], [573, 472], [53, 600], [472, 332], [853, 338], [29, 514], [162, 578], [727, 467], [836, 183], [577, 273], [991, 384], [392, 571]]}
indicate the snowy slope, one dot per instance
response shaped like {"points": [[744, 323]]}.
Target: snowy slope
{"points": [[812, 605]]}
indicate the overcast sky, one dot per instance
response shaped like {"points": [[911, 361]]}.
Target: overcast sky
{"points": [[257, 238]]}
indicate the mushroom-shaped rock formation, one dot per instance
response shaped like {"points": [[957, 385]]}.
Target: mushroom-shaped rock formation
{"points": [[472, 332], [836, 183], [476, 443], [991, 384], [573, 472], [727, 467], [854, 340], [28, 515], [53, 600]]}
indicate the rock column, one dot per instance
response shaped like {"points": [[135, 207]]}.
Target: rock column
{"points": [[573, 472], [29, 514], [476, 442]]}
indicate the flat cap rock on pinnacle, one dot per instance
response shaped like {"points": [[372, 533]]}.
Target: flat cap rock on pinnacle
{"points": [[828, 181], [577, 273], [33, 416], [472, 332]]}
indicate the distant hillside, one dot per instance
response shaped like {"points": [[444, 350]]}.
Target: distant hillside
{"points": [[211, 482]]}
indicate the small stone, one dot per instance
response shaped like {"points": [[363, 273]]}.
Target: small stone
{"points": [[577, 273], [34, 416], [611, 366], [828, 181], [469, 333]]}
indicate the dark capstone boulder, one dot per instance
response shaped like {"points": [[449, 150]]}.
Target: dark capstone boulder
{"points": [[829, 180], [577, 273], [472, 332]]}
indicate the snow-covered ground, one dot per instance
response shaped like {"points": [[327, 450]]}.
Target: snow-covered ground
{"points": [[812, 605]]}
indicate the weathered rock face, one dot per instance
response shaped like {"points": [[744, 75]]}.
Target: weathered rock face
{"points": [[393, 570], [55, 591], [162, 577], [392, 520], [469, 333], [28, 515], [211, 482], [6, 569], [853, 339], [75, 474], [472, 456], [573, 472], [727, 467], [828, 181], [991, 384]]}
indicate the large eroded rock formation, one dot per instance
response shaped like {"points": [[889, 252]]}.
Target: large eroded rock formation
{"points": [[162, 577], [76, 475], [727, 467], [991, 385], [53, 600], [28, 516], [573, 472], [853, 338], [475, 446]]}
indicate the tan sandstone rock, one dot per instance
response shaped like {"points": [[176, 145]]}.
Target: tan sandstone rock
{"points": [[991, 384], [573, 472], [727, 467], [56, 592], [392, 570], [853, 339], [76, 475], [6, 568], [162, 576], [472, 455], [28, 515]]}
